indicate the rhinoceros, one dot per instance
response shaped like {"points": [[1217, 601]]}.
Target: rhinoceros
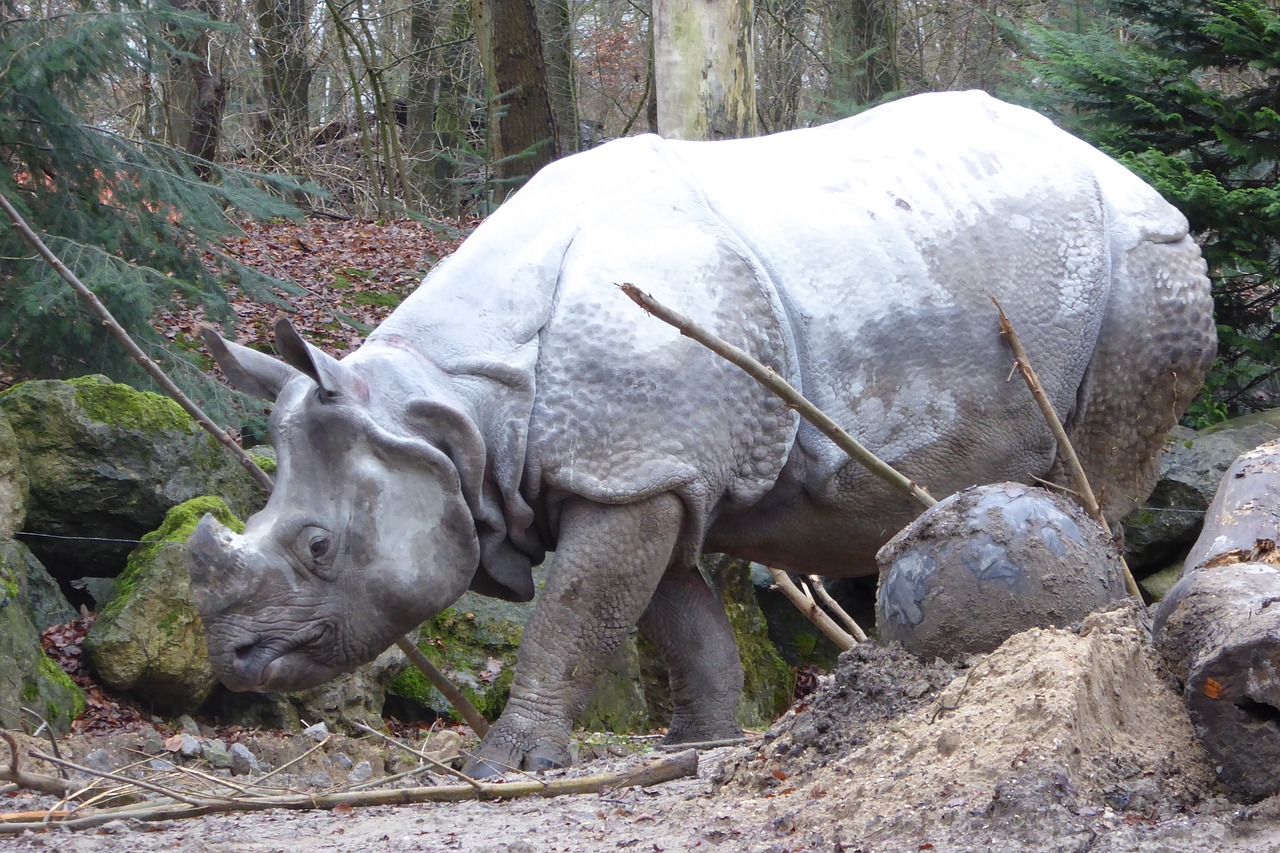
{"points": [[518, 403]]}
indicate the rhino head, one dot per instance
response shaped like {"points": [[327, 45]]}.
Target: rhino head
{"points": [[368, 532]]}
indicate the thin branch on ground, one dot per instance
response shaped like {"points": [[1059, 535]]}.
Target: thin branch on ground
{"points": [[842, 639], [834, 606], [679, 766]]}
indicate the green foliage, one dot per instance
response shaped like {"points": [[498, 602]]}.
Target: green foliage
{"points": [[1185, 95], [130, 217]]}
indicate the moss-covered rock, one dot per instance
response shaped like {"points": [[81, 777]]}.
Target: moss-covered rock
{"points": [[28, 678], [13, 482], [46, 605], [148, 638], [104, 462]]}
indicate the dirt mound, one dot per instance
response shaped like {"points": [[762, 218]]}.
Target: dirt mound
{"points": [[1049, 743]]}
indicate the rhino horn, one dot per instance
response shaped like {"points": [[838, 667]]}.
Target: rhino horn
{"points": [[220, 576], [334, 378]]}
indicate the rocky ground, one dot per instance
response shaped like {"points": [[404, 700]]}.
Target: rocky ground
{"points": [[1057, 741]]}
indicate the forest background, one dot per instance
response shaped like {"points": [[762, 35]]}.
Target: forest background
{"points": [[153, 143]]}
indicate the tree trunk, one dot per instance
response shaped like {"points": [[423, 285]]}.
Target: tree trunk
{"points": [[522, 131], [555, 22], [282, 48], [704, 68], [437, 104], [1219, 629], [195, 91], [863, 62]]}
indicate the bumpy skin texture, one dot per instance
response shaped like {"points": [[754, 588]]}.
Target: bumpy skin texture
{"points": [[519, 403]]}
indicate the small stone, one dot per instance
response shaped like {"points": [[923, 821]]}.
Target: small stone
{"points": [[190, 747], [343, 760], [319, 779], [160, 765], [243, 762], [188, 725], [362, 772], [317, 733], [100, 760], [215, 752], [151, 741]]}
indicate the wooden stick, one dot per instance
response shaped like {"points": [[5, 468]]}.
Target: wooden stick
{"points": [[1083, 490], [32, 781], [806, 605], [834, 606], [442, 683], [779, 386], [664, 770]]}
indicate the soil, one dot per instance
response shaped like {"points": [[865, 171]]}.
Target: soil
{"points": [[1060, 740]]}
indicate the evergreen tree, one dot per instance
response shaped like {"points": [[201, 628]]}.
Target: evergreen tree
{"points": [[130, 217], [1186, 95]]}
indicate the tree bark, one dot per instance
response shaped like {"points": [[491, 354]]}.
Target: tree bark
{"points": [[1219, 628], [522, 131], [195, 91], [862, 64], [437, 112], [704, 68], [282, 46], [555, 22]]}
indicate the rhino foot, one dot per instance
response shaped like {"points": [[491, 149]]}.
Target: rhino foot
{"points": [[510, 747]]}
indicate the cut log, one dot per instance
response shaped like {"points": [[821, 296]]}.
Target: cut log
{"points": [[1219, 633], [1218, 629], [1243, 522]]}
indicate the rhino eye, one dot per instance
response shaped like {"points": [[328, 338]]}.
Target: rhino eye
{"points": [[318, 546]]}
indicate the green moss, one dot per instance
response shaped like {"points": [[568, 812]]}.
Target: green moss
{"points": [[385, 300], [119, 405], [266, 463], [178, 525], [54, 674]]}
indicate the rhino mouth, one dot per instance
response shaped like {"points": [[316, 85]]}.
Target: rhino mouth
{"points": [[277, 662]]}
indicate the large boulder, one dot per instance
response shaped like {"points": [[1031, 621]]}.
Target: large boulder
{"points": [[104, 462], [28, 678], [148, 638], [988, 562], [43, 597], [13, 482], [1160, 531]]}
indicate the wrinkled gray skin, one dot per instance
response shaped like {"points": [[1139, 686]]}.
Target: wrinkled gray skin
{"points": [[519, 403]]}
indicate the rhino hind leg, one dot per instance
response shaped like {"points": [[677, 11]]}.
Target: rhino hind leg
{"points": [[686, 620], [608, 562], [1155, 345]]}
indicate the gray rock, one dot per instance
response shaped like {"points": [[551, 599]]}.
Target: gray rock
{"points": [[362, 772], [243, 761], [318, 779], [188, 724], [148, 638], [13, 483], [317, 732], [1163, 528], [38, 590], [989, 562], [191, 746], [28, 678], [215, 752], [100, 760], [107, 462], [151, 741], [343, 760]]}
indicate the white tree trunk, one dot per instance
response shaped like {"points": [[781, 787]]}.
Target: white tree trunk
{"points": [[704, 68]]}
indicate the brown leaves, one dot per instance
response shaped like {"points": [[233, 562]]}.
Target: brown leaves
{"points": [[64, 644], [351, 273]]}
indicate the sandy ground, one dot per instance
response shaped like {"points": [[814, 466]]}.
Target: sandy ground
{"points": [[1057, 741]]}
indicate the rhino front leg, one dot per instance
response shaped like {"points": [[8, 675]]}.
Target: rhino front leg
{"points": [[608, 562], [686, 620]]}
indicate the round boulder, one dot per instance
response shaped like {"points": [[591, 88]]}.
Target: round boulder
{"points": [[989, 562]]}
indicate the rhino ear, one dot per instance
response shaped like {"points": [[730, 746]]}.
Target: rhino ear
{"points": [[255, 373], [505, 571], [334, 378]]}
